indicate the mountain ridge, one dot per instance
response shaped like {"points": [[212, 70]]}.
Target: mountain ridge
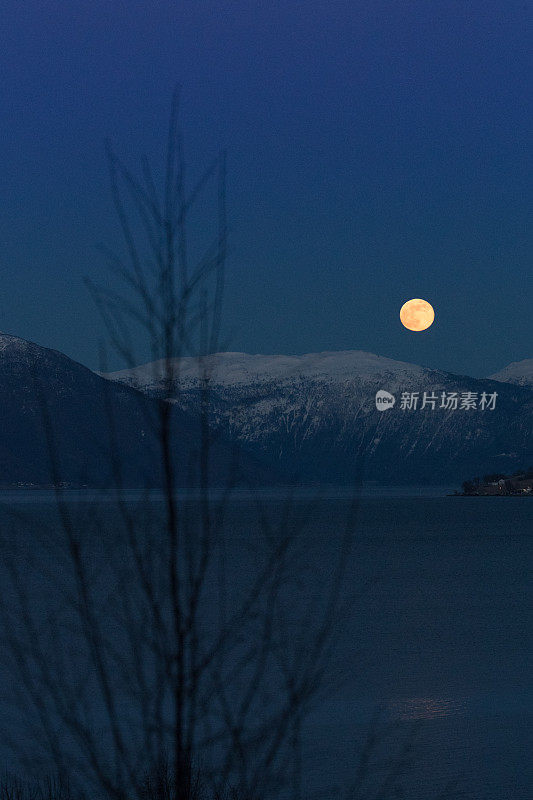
{"points": [[239, 367], [316, 415], [64, 423], [307, 419], [518, 372]]}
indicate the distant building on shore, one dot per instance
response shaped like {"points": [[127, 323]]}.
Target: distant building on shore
{"points": [[504, 485]]}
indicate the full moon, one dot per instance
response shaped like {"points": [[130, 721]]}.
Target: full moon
{"points": [[417, 314]]}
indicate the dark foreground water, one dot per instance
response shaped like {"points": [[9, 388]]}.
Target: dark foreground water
{"points": [[434, 664]]}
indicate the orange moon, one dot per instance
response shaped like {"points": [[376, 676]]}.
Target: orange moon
{"points": [[417, 314]]}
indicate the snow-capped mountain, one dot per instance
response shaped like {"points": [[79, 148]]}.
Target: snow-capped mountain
{"points": [[518, 372], [310, 418], [315, 416]]}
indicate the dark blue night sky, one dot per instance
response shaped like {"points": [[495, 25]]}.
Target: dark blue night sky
{"points": [[377, 151]]}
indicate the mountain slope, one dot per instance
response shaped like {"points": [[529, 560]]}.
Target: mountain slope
{"points": [[518, 372], [315, 416], [56, 410]]}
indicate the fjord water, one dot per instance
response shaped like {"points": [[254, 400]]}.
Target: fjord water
{"points": [[442, 642], [434, 657]]}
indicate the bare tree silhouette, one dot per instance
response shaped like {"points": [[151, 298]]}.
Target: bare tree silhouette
{"points": [[144, 666]]}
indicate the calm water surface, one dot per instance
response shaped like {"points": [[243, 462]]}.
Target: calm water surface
{"points": [[436, 650]]}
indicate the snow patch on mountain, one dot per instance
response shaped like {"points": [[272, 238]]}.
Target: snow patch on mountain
{"points": [[243, 369], [519, 373]]}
